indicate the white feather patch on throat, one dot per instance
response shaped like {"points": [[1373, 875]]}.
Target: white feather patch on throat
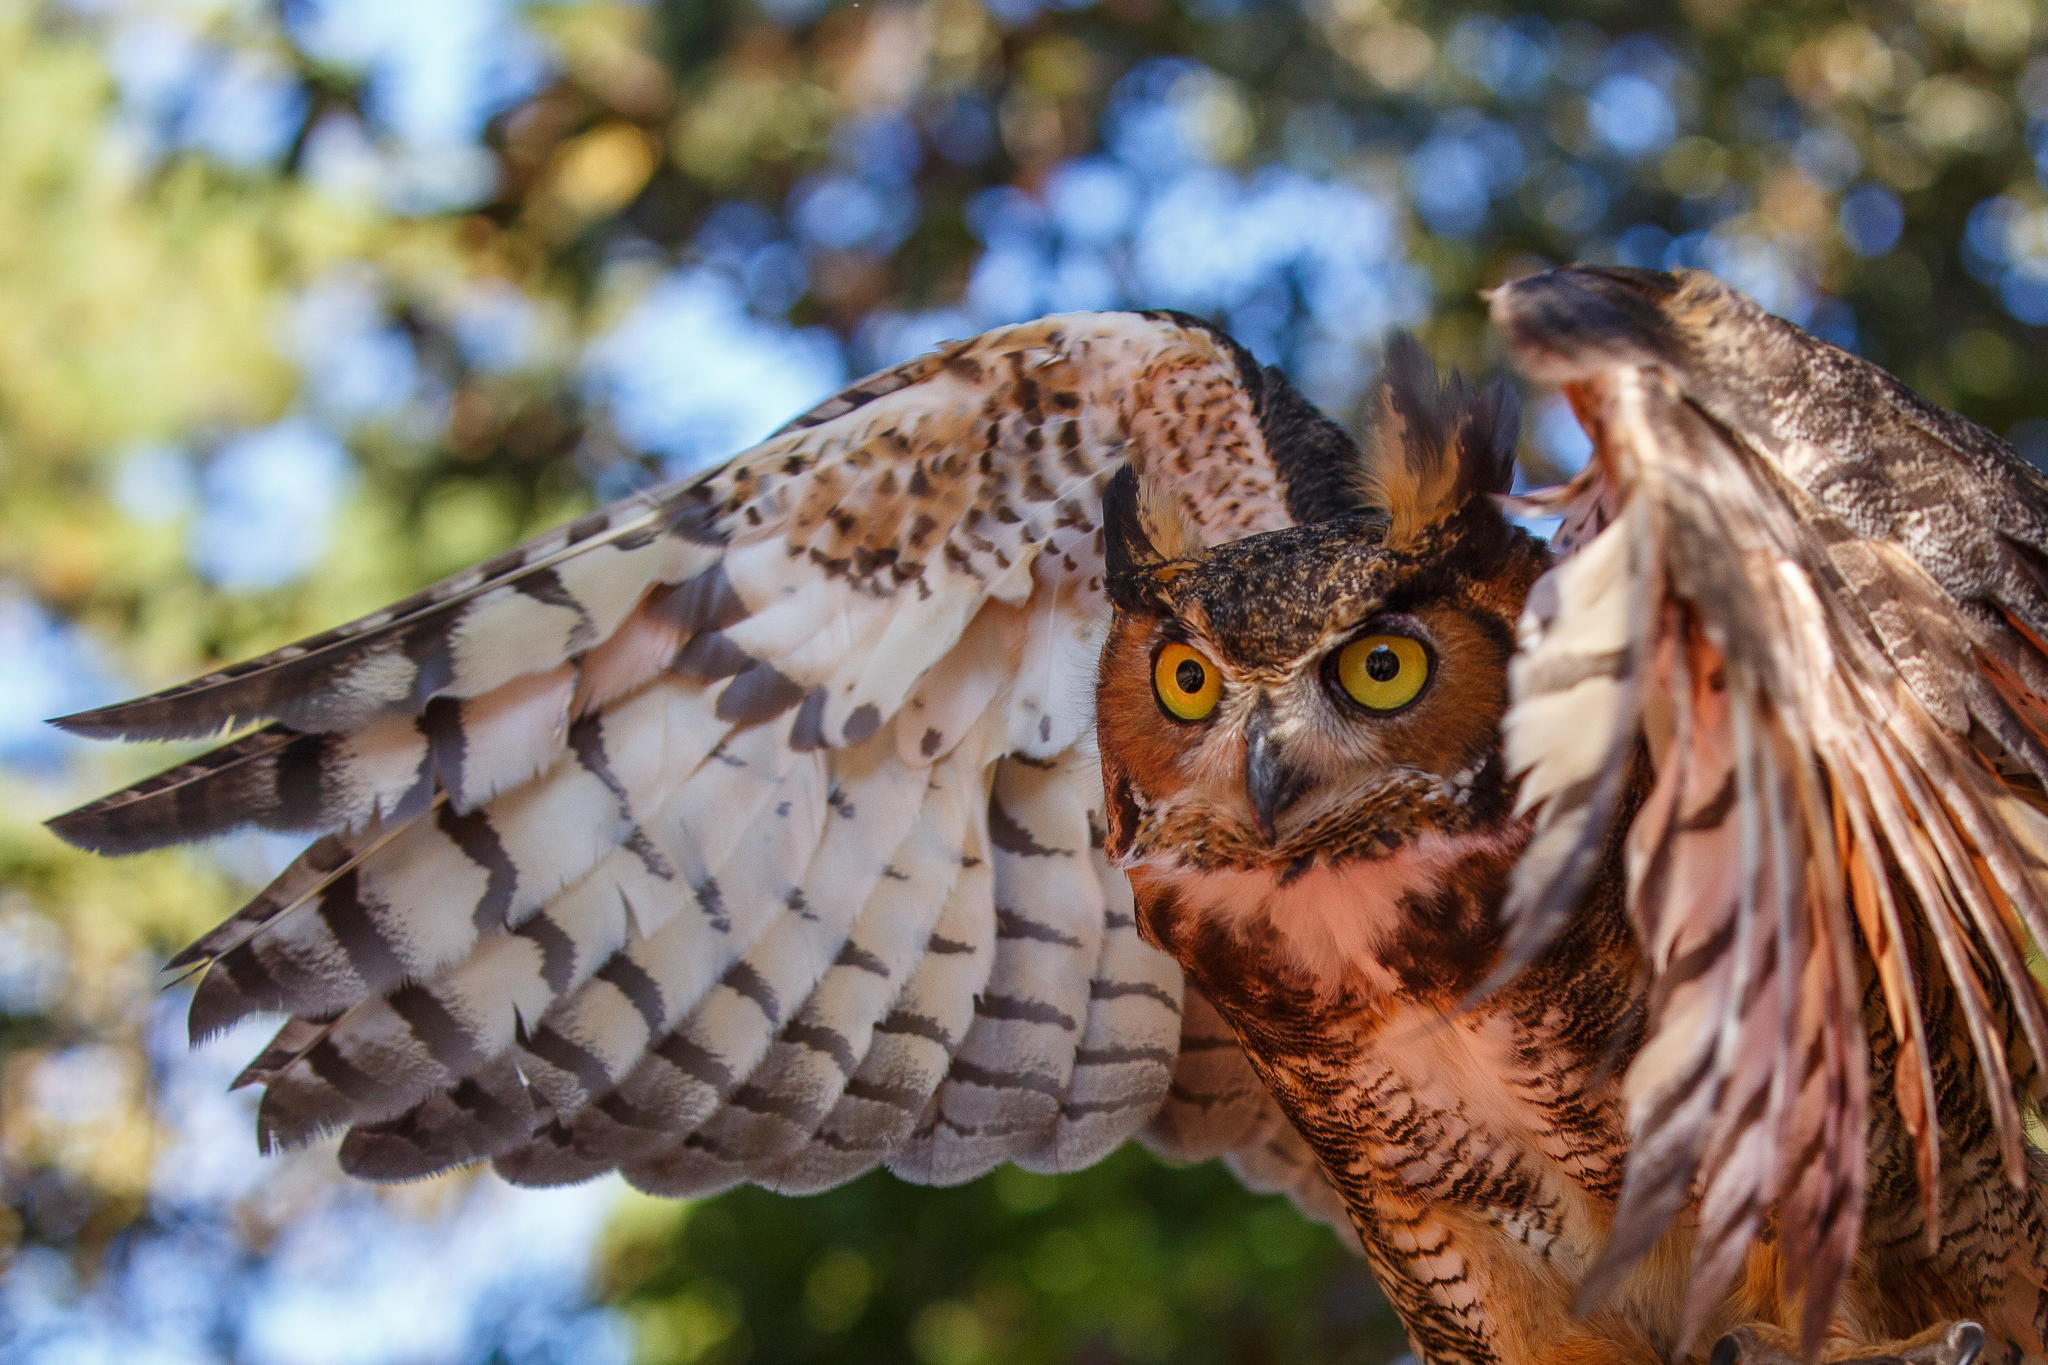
{"points": [[1335, 919]]}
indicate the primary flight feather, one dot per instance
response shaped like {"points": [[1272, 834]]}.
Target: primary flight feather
{"points": [[1631, 946]]}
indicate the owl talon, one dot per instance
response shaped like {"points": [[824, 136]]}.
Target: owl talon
{"points": [[1955, 1343], [1961, 1344]]}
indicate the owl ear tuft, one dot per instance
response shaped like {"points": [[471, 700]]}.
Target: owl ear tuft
{"points": [[1436, 444], [1143, 528]]}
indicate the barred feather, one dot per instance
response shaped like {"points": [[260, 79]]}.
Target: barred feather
{"points": [[1015, 1064], [733, 831], [1815, 603], [1127, 1053], [525, 611]]}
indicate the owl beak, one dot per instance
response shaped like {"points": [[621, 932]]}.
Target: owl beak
{"points": [[1270, 784]]}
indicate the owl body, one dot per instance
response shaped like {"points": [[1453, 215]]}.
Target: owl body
{"points": [[1478, 1150], [1481, 1149], [1346, 918], [1479, 1153], [1635, 924]]}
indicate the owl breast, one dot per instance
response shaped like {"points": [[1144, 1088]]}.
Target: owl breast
{"points": [[1476, 1144], [1416, 924]]}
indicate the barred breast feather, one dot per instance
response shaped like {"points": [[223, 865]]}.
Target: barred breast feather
{"points": [[1817, 606], [740, 831]]}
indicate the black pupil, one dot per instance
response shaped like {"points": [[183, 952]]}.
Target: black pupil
{"points": [[1381, 665], [1190, 676]]}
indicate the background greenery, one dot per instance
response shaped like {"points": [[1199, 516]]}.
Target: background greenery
{"points": [[306, 303]]}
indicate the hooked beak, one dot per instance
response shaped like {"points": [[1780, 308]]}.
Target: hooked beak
{"points": [[1270, 784]]}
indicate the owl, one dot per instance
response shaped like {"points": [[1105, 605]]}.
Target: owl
{"points": [[1623, 935]]}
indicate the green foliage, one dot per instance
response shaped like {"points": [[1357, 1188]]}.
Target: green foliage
{"points": [[1129, 1261]]}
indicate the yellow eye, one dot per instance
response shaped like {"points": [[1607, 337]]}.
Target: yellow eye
{"points": [[1383, 672], [1188, 684]]}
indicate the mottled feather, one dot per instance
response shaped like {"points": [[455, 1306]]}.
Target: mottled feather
{"points": [[735, 832]]}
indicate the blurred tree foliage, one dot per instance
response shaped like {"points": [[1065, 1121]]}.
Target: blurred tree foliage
{"points": [[1128, 1261], [305, 303]]}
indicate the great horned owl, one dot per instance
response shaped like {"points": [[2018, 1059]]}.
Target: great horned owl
{"points": [[1629, 946]]}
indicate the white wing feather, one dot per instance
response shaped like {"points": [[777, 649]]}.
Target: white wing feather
{"points": [[744, 830]]}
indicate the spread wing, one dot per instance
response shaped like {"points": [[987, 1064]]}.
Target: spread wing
{"points": [[1816, 605], [745, 830]]}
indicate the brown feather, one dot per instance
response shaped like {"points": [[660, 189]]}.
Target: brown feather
{"points": [[1802, 507]]}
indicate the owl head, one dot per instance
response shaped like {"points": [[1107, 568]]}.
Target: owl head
{"points": [[1327, 691]]}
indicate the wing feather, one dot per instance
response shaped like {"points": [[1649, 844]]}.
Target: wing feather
{"points": [[526, 610], [1015, 1066], [736, 832], [1130, 1033], [1813, 603]]}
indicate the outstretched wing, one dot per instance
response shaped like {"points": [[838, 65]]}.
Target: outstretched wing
{"points": [[1817, 605], [739, 831]]}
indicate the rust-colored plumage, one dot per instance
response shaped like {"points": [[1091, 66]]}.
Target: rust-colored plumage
{"points": [[1626, 936], [1826, 638]]}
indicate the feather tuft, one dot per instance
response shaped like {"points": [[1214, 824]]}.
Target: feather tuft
{"points": [[1435, 444]]}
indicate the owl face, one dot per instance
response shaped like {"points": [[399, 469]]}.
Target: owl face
{"points": [[1311, 693]]}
